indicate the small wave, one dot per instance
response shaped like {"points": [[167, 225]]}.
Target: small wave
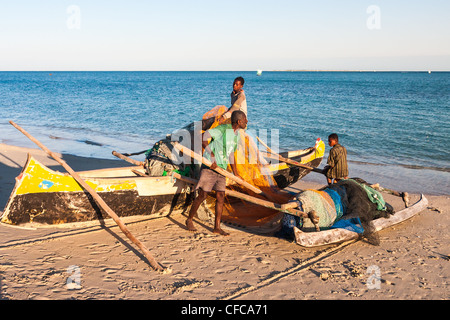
{"points": [[408, 166], [90, 142], [412, 166], [56, 138], [367, 163], [93, 143]]}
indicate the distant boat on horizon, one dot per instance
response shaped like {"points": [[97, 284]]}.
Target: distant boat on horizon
{"points": [[259, 73]]}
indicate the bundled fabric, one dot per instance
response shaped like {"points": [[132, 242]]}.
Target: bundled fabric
{"points": [[373, 195], [365, 203], [322, 203], [348, 204], [337, 202], [352, 224]]}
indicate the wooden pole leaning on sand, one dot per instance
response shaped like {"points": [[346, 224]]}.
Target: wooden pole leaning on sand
{"points": [[102, 204]]}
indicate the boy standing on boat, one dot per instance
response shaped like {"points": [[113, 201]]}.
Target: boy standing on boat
{"points": [[219, 143], [238, 99], [337, 167]]}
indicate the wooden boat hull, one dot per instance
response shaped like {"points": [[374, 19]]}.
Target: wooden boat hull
{"points": [[333, 236], [44, 196]]}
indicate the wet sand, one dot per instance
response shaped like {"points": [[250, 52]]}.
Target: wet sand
{"points": [[411, 262]]}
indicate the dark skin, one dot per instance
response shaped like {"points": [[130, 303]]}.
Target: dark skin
{"points": [[220, 195], [237, 87]]}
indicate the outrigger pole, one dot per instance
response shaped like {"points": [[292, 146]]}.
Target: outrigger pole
{"points": [[290, 208], [271, 154], [102, 204]]}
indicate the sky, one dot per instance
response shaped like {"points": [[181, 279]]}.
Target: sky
{"points": [[211, 35]]}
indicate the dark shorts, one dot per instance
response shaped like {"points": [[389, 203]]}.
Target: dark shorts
{"points": [[211, 180]]}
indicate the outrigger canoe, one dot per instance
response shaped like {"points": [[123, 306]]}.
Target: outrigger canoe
{"points": [[44, 196]]}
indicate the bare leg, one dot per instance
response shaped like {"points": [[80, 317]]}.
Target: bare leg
{"points": [[195, 205], [220, 196]]}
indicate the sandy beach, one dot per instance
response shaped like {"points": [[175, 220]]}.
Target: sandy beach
{"points": [[97, 262]]}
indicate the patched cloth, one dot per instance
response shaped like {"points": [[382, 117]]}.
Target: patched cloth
{"points": [[211, 180], [337, 160]]}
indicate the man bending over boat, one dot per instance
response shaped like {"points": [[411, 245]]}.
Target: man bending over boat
{"points": [[219, 143]]}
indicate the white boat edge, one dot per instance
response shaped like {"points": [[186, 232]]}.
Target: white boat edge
{"points": [[332, 236]]}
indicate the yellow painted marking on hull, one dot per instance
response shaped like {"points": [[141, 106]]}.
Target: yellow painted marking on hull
{"points": [[319, 153], [38, 179]]}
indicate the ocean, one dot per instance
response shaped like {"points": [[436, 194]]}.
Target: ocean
{"points": [[395, 125]]}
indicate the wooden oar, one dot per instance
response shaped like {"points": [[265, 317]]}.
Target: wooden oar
{"points": [[102, 204], [223, 172], [123, 157], [276, 156], [127, 159]]}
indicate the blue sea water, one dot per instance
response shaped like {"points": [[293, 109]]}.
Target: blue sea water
{"points": [[394, 125]]}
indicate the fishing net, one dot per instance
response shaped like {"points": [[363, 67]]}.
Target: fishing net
{"points": [[253, 168], [347, 199], [250, 164], [360, 200], [320, 202], [351, 204]]}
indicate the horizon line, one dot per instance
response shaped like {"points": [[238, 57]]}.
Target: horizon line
{"points": [[276, 70]]}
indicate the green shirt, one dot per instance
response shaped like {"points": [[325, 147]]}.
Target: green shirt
{"points": [[224, 142]]}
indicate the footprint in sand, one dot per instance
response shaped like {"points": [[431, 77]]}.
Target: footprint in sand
{"points": [[225, 270], [108, 270]]}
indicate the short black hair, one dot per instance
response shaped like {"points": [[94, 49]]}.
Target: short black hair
{"points": [[333, 136], [236, 116], [239, 79]]}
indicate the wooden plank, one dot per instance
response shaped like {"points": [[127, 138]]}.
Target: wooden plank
{"points": [[155, 265]]}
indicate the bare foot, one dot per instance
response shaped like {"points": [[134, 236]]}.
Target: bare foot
{"points": [[405, 197], [221, 232], [190, 225]]}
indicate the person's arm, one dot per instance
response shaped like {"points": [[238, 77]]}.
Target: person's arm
{"points": [[233, 165], [227, 114], [206, 140], [236, 106]]}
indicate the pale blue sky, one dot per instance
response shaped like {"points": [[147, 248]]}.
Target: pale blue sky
{"points": [[224, 35]]}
